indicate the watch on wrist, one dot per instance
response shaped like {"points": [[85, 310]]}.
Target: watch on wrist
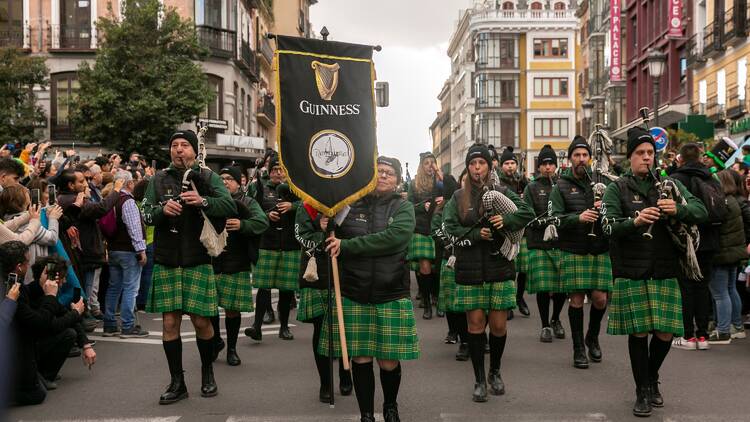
{"points": [[204, 203]]}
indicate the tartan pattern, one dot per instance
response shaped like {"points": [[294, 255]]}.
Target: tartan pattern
{"points": [[277, 270], [235, 291], [420, 247], [312, 304], [585, 272], [447, 288], [499, 296], [191, 290], [383, 331], [643, 306], [522, 260], [544, 274]]}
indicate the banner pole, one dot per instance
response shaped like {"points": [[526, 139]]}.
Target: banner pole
{"points": [[330, 332], [340, 312]]}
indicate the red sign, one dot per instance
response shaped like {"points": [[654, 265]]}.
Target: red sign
{"points": [[675, 18], [615, 40]]}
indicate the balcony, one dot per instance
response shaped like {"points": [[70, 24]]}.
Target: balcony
{"points": [[71, 37], [497, 63], [221, 42], [514, 20], [714, 111], [266, 51], [246, 61], [695, 50], [735, 24], [266, 112], [735, 106], [712, 40], [15, 36]]}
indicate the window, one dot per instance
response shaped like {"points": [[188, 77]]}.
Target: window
{"points": [[495, 51], [241, 101], [215, 109], [493, 90], [496, 129], [249, 128], [11, 23], [551, 128], [508, 5], [550, 87], [236, 93], [216, 13], [536, 5], [64, 89], [721, 87], [551, 47], [559, 6]]}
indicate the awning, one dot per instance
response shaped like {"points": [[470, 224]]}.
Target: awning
{"points": [[668, 115]]}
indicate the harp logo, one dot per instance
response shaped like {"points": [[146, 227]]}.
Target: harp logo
{"points": [[326, 78], [331, 154]]}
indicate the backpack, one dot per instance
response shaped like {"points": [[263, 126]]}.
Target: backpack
{"points": [[108, 223], [710, 192]]}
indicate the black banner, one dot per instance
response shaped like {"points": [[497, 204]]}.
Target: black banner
{"points": [[326, 113]]}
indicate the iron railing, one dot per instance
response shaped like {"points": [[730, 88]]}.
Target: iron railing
{"points": [[71, 37], [15, 36], [221, 42], [266, 50], [267, 109]]}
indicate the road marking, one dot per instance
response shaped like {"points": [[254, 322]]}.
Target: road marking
{"points": [[187, 336], [591, 417], [146, 419], [300, 418]]}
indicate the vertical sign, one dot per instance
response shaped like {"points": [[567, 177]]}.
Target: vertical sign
{"points": [[675, 19], [615, 64]]}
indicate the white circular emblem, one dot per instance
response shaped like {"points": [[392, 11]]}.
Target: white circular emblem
{"points": [[615, 70], [676, 23], [331, 154]]}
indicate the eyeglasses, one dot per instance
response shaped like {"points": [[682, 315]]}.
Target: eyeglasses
{"points": [[388, 173]]}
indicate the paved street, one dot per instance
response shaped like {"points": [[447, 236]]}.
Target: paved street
{"points": [[278, 382]]}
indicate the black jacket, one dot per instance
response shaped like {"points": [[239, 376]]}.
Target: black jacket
{"points": [[710, 234], [93, 254]]}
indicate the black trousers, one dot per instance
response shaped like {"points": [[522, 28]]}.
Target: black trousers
{"points": [[696, 299], [52, 352]]}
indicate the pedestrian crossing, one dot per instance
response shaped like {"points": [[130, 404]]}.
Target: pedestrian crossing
{"points": [[154, 337]]}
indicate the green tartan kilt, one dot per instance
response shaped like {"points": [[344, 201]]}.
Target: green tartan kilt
{"points": [[312, 304], [643, 306], [579, 273], [383, 331], [522, 260], [420, 247], [499, 296], [277, 270], [447, 288], [235, 291], [544, 271], [191, 290]]}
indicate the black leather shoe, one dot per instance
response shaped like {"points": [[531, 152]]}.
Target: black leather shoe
{"points": [[480, 393], [208, 383], [254, 333], [463, 352], [546, 335], [325, 394], [285, 334], [232, 358], [367, 417], [523, 308], [176, 390], [345, 383], [579, 357], [427, 307], [558, 329], [390, 412], [656, 398], [218, 347], [642, 407], [595, 352], [269, 317], [497, 386]]}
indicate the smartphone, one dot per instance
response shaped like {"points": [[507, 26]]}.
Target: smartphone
{"points": [[76, 294], [10, 282], [51, 273], [35, 197], [153, 164], [77, 159], [52, 192]]}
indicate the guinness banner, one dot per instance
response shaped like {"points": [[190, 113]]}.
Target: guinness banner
{"points": [[326, 116]]}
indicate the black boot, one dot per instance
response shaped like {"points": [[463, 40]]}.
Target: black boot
{"points": [[390, 412], [367, 417], [656, 399], [232, 358], [176, 390], [345, 380], [285, 334], [423, 281], [208, 383], [233, 329], [579, 351], [595, 352], [497, 386], [642, 407], [476, 349], [322, 364]]}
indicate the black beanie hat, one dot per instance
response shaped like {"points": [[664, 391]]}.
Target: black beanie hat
{"points": [[508, 155], [578, 142], [478, 151], [393, 162], [187, 135], [273, 162], [233, 171], [636, 136], [547, 155], [425, 155]]}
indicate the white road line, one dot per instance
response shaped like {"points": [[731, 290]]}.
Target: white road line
{"points": [[591, 417], [187, 337], [146, 419], [300, 418]]}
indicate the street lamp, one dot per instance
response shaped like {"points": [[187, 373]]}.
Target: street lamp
{"points": [[588, 112], [656, 62]]}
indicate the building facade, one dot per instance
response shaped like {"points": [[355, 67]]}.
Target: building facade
{"points": [[440, 130], [242, 113], [513, 77]]}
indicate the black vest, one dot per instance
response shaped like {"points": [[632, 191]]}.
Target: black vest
{"points": [[540, 190], [576, 239], [633, 256], [184, 248], [280, 234], [424, 218], [480, 262], [373, 279], [241, 251]]}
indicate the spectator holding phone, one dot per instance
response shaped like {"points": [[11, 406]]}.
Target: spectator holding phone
{"points": [[7, 312]]}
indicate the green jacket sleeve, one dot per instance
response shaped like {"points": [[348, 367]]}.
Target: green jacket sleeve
{"points": [[221, 203], [452, 224], [694, 212], [153, 211], [308, 233], [257, 223], [521, 217], [557, 209], [396, 237], [612, 214]]}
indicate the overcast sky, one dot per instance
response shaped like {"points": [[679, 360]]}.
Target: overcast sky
{"points": [[414, 35]]}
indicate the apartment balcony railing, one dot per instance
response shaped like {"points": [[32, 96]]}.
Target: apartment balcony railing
{"points": [[498, 102], [522, 15], [715, 111], [16, 37], [713, 35], [735, 23], [221, 42], [71, 37], [247, 62], [735, 106], [695, 50], [267, 112], [266, 50], [497, 63]]}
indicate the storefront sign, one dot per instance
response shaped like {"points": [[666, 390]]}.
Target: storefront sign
{"points": [[214, 124], [237, 141], [740, 126], [675, 19], [615, 65]]}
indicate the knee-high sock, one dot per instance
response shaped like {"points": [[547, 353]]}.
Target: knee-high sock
{"points": [[423, 283], [542, 301], [233, 329], [262, 304], [638, 350], [344, 375], [217, 328], [364, 386], [462, 327], [450, 317], [520, 285], [390, 381], [206, 351], [285, 304], [476, 350], [435, 285], [595, 319], [173, 351], [658, 350], [497, 347], [321, 362], [576, 319], [558, 301]]}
